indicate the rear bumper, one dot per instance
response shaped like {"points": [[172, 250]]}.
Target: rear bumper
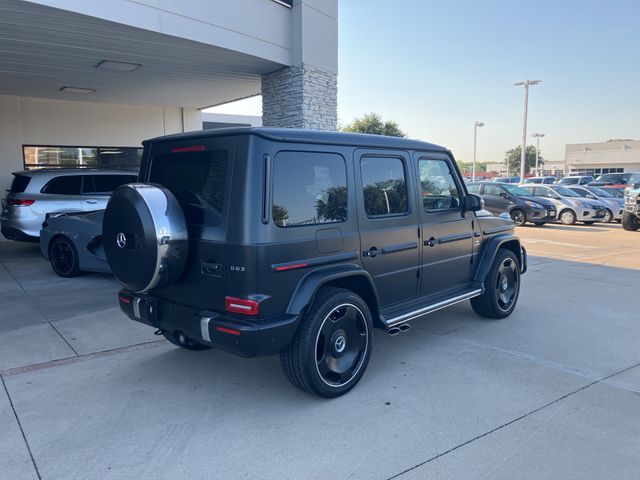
{"points": [[12, 233], [246, 338]]}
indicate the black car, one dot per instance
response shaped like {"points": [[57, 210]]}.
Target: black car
{"points": [[521, 206], [300, 242]]}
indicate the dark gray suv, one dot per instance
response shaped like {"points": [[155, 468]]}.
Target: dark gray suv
{"points": [[521, 206], [299, 243]]}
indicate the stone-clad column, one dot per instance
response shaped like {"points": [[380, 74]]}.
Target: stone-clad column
{"points": [[304, 94]]}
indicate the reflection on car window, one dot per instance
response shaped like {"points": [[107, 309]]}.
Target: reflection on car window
{"points": [[473, 188], [439, 190], [492, 189], [516, 190], [384, 186], [308, 189]]}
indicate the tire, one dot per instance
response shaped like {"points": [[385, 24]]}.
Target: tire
{"points": [[179, 339], [567, 217], [588, 223], [539, 224], [608, 217], [500, 298], [630, 222], [518, 216], [332, 346], [63, 257]]}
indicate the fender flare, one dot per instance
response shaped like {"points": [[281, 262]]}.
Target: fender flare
{"points": [[309, 285], [493, 244]]}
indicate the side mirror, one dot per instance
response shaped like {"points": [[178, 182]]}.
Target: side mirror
{"points": [[473, 203]]}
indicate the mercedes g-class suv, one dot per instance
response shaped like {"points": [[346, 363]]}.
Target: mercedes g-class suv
{"points": [[631, 214], [262, 241]]}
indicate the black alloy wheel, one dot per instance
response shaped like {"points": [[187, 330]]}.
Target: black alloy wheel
{"points": [[64, 257], [507, 284], [518, 217], [502, 287]]}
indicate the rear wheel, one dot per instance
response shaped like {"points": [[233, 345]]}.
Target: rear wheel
{"points": [[179, 339], [502, 287], [518, 216], [331, 349], [568, 217], [630, 222], [64, 257]]}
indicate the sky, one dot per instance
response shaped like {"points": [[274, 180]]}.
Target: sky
{"points": [[437, 67]]}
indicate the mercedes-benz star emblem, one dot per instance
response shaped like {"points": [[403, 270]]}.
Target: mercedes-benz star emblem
{"points": [[341, 342], [121, 240]]}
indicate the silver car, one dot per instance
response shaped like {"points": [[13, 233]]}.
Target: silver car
{"points": [[571, 207], [614, 206], [34, 193]]}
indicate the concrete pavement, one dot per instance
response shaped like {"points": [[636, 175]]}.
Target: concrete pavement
{"points": [[551, 392]]}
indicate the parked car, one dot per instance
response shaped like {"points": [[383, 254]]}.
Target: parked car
{"points": [[614, 206], [570, 206], [72, 243], [506, 179], [575, 180], [300, 242], [521, 206], [612, 180], [543, 180], [34, 193], [631, 215]]}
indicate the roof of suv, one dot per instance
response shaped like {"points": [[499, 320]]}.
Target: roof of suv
{"points": [[60, 172], [305, 136]]}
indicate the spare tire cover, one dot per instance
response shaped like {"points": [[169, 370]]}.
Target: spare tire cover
{"points": [[145, 236]]}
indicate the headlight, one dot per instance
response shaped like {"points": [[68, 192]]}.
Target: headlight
{"points": [[533, 204]]}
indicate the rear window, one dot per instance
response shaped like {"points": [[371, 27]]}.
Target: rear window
{"points": [[19, 184], [198, 180], [67, 185], [105, 184]]}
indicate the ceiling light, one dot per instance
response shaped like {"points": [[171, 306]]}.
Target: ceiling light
{"points": [[118, 66], [77, 90]]}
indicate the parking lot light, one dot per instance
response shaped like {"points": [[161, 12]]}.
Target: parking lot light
{"points": [[537, 136], [475, 136], [523, 155]]}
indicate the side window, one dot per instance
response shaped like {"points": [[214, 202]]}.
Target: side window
{"points": [[67, 185], [384, 186], [492, 190], [541, 192], [105, 184], [439, 190], [474, 188], [308, 189]]}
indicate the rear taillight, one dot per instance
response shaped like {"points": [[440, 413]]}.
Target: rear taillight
{"points": [[20, 202], [241, 305]]}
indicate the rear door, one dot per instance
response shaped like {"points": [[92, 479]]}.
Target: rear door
{"points": [[447, 230], [388, 223], [493, 202]]}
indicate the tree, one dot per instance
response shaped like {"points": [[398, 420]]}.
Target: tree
{"points": [[372, 123], [467, 167], [513, 156]]}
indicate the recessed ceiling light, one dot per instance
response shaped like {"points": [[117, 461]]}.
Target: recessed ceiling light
{"points": [[77, 90], [118, 66]]}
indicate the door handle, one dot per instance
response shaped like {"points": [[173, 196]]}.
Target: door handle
{"points": [[92, 201], [371, 253], [432, 242]]}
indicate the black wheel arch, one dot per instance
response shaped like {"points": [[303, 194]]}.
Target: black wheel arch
{"points": [[490, 249], [349, 277]]}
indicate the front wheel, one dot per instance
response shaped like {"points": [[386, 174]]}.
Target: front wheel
{"points": [[64, 257], [568, 217], [501, 287], [630, 222], [518, 216], [608, 216], [331, 349]]}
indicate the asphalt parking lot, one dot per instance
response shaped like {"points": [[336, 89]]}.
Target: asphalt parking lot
{"points": [[551, 392]]}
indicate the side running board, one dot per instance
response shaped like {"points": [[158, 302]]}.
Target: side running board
{"points": [[408, 316]]}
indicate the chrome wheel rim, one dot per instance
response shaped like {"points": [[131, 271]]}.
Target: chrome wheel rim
{"points": [[518, 217], [507, 284], [341, 345], [567, 217]]}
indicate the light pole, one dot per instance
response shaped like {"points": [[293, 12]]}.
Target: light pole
{"points": [[523, 156], [475, 137], [537, 136]]}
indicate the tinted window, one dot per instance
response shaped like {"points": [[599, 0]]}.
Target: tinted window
{"points": [[384, 186], [516, 190], [492, 190], [68, 185], [308, 189], [542, 192], [439, 190], [581, 191], [19, 184], [105, 184], [473, 188], [198, 180]]}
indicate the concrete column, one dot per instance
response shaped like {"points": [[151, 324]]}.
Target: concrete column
{"points": [[304, 95]]}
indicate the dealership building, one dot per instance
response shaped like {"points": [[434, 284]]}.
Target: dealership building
{"points": [[83, 83]]}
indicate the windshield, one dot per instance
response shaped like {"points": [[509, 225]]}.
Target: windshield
{"points": [[515, 190], [599, 192], [569, 181], [610, 177], [533, 180], [615, 192], [565, 192]]}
